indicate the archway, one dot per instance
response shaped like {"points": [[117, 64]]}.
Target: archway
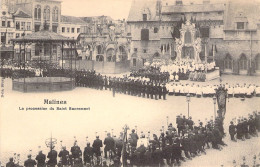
{"points": [[257, 62], [100, 53], [111, 55], [243, 63], [228, 63], [122, 53]]}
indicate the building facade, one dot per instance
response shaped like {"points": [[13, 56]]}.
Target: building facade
{"points": [[229, 32]]}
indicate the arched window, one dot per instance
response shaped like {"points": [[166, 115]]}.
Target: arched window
{"points": [[55, 15], [156, 55], [37, 12], [257, 62], [111, 55], [243, 62], [46, 13], [122, 53], [100, 49], [228, 62]]}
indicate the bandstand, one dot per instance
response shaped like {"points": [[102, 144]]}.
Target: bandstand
{"points": [[42, 55]]}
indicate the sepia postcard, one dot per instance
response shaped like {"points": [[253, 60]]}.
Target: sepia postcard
{"points": [[135, 83]]}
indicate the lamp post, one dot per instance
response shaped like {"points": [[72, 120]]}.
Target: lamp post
{"points": [[188, 101], [214, 101]]}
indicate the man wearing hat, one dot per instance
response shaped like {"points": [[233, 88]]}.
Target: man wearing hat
{"points": [[232, 131], [29, 162], [88, 154]]}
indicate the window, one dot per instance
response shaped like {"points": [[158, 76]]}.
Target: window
{"points": [[240, 25], [3, 38], [206, 13], [3, 23], [37, 28], [228, 62], [68, 30], [17, 35], [72, 30], [243, 62], [63, 29], [135, 49], [37, 49], [155, 30], [145, 34], [46, 13], [29, 26], [55, 29], [78, 30], [134, 62], [144, 17], [219, 13], [55, 12], [37, 12], [22, 25], [144, 61], [54, 49], [8, 24], [144, 50]]}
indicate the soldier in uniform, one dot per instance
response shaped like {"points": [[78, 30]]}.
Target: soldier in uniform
{"points": [[29, 162], [64, 154], [164, 92], [40, 158]]}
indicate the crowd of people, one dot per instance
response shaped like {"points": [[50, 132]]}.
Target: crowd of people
{"points": [[245, 128], [172, 146], [152, 74], [125, 85], [196, 90]]}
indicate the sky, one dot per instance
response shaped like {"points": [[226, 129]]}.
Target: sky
{"points": [[117, 9]]}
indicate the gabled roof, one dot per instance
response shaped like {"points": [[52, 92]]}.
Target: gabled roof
{"points": [[193, 8], [43, 36], [72, 19], [139, 6], [21, 13]]}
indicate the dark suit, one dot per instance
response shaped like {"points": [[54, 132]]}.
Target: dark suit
{"points": [[232, 131], [97, 144], [40, 158]]}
